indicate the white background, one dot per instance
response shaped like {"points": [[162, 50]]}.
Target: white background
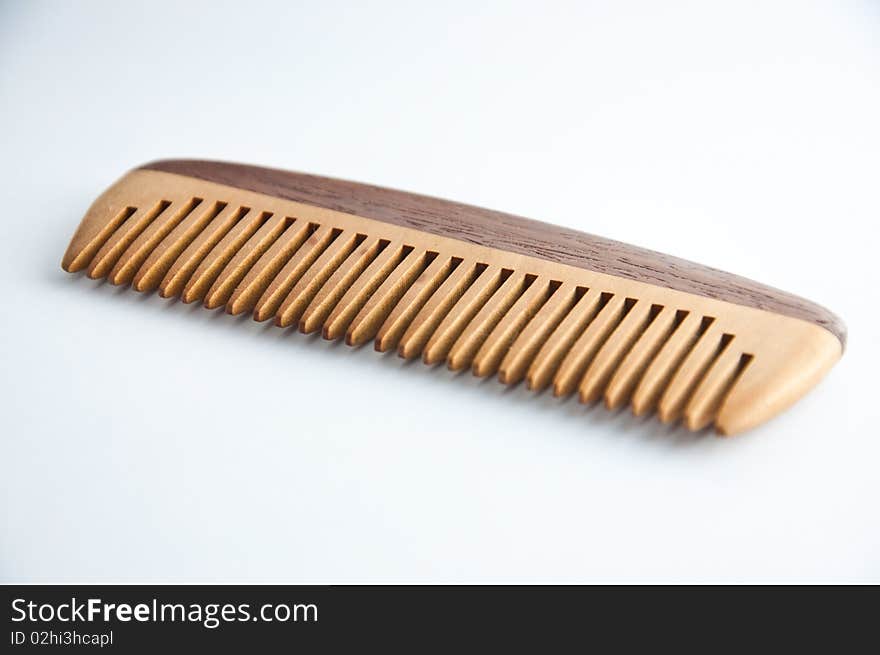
{"points": [[145, 440]]}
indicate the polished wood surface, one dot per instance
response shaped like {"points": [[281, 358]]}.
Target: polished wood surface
{"points": [[508, 232]]}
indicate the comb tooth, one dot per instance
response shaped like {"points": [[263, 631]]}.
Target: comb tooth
{"points": [[363, 288], [467, 345], [488, 280], [214, 262], [436, 308], [416, 295], [636, 361], [522, 352], [182, 268], [163, 255], [122, 238], [334, 289], [703, 406], [280, 286], [243, 260], [572, 368], [314, 278], [366, 323], [490, 354], [79, 256], [561, 340], [135, 255], [660, 370], [688, 375], [613, 351], [267, 267]]}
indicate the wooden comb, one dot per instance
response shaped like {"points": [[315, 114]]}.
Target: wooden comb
{"points": [[474, 288]]}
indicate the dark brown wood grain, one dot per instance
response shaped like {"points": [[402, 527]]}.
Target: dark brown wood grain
{"points": [[505, 231]]}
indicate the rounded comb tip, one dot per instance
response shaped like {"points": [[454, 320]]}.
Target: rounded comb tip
{"points": [[775, 381]]}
